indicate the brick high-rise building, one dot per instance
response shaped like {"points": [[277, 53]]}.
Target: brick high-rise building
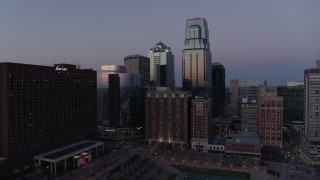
{"points": [[270, 118], [200, 122], [43, 108], [168, 116]]}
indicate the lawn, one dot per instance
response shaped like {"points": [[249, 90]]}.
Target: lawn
{"points": [[214, 172]]}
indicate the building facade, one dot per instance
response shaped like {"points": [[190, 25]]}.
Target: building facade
{"points": [[310, 145], [200, 122], [114, 100], [137, 64], [270, 118], [249, 116], [162, 66], [168, 116], [293, 99], [218, 89], [243, 146], [44, 108], [196, 60]]}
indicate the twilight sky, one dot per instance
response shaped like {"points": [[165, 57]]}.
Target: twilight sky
{"points": [[255, 40]]}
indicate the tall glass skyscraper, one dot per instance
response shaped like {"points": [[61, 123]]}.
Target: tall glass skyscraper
{"points": [[162, 66], [196, 62]]}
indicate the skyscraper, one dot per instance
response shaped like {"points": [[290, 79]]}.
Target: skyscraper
{"points": [[196, 60], [107, 70], [114, 100], [218, 89], [43, 108], [162, 66], [310, 141], [137, 64], [293, 98]]}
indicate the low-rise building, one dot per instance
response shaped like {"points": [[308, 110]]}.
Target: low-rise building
{"points": [[244, 146]]}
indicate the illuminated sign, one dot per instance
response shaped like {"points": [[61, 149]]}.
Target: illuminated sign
{"points": [[61, 69]]}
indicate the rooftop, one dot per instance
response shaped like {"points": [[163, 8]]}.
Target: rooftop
{"points": [[243, 139], [68, 151]]}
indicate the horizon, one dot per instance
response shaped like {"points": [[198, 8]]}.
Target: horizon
{"points": [[273, 41]]}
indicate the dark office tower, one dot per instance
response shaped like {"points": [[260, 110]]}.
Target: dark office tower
{"points": [[137, 64], [43, 108], [218, 89], [162, 66], [196, 60], [293, 97], [114, 100]]}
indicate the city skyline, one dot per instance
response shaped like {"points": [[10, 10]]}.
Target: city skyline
{"points": [[246, 37]]}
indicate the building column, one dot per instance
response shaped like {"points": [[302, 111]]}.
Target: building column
{"points": [[39, 165], [50, 167], [55, 168], [65, 165]]}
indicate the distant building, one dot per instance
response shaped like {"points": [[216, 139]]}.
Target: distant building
{"points": [[114, 100], [137, 64], [196, 60], [103, 95], [249, 116], [200, 122], [218, 90], [43, 108], [270, 118], [249, 88], [310, 145], [221, 126], [233, 108], [162, 66], [295, 83], [293, 99], [168, 116]]}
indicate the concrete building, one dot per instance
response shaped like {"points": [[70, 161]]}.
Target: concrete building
{"points": [[310, 145], [196, 60], [295, 83], [168, 116], [249, 116], [137, 64], [43, 108], [162, 66], [218, 89], [200, 122], [270, 118], [233, 107]]}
